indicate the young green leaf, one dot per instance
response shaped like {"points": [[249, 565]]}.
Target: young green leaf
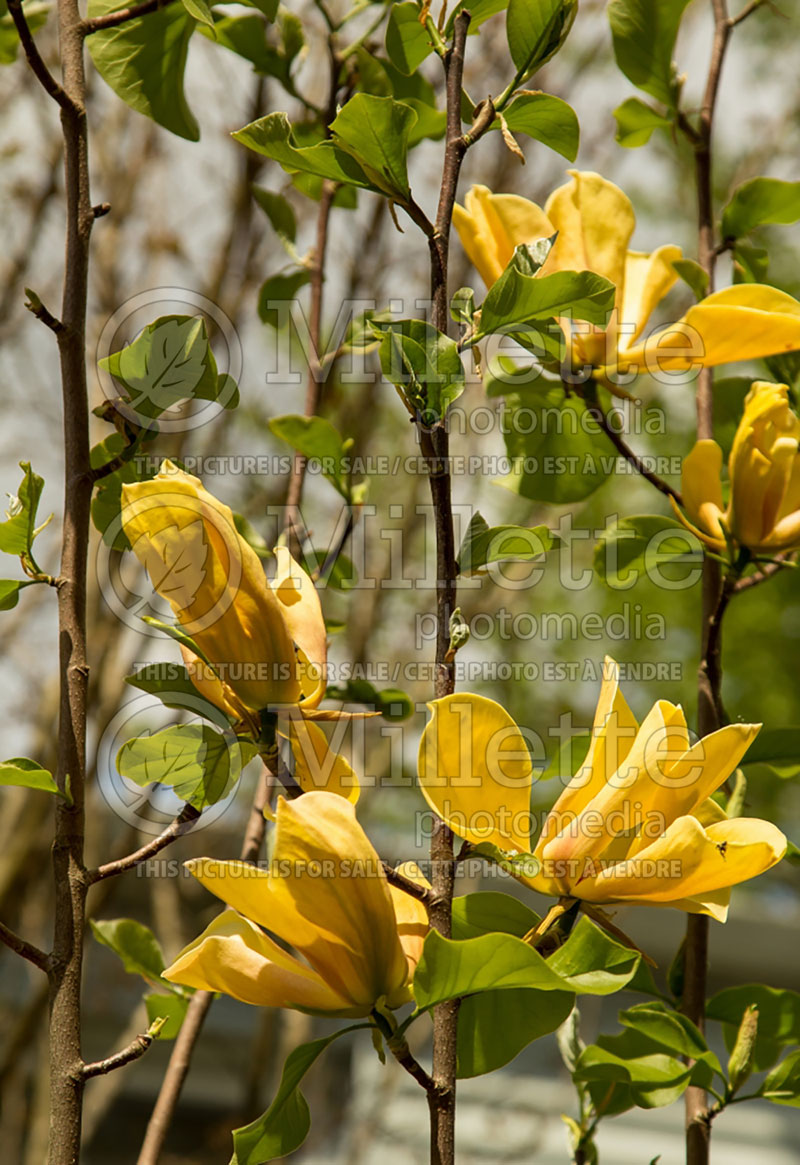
{"points": [[495, 1026], [637, 122], [27, 774], [171, 1008], [644, 34], [759, 202], [375, 132], [277, 290], [517, 299], [273, 137], [490, 912], [636, 546], [144, 61], [200, 765], [317, 439], [171, 684], [134, 944], [279, 212], [19, 530], [285, 1124], [536, 30], [547, 119], [408, 42], [423, 362], [693, 275], [782, 1085], [483, 545], [9, 592]]}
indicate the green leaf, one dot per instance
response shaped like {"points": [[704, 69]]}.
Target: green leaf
{"points": [[407, 40], [536, 29], [483, 544], [392, 703], [169, 361], [424, 363], [176, 632], [107, 500], [200, 10], [172, 1008], [171, 684], [341, 576], [779, 748], [462, 306], [557, 454], [654, 1079], [636, 123], [317, 439], [495, 1026], [517, 299], [134, 943], [35, 15], [759, 202], [375, 131], [279, 212], [778, 1018], [750, 264], [279, 289], [782, 1085], [27, 774], [247, 530], [273, 137], [18, 532], [9, 592], [490, 912], [644, 34], [641, 546], [479, 10], [589, 962], [693, 275], [670, 1030], [285, 1124], [144, 61], [547, 119], [199, 764]]}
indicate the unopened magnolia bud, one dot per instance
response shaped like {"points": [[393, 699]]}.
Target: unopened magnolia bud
{"points": [[740, 1065]]}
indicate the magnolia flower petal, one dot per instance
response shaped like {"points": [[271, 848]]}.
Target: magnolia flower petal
{"points": [[475, 771], [744, 322], [648, 278], [688, 861], [214, 582], [482, 234], [302, 614], [212, 688], [595, 221], [412, 923], [613, 733], [316, 765], [702, 489], [235, 957]]}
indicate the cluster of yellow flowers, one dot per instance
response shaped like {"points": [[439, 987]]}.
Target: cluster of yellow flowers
{"points": [[636, 824]]}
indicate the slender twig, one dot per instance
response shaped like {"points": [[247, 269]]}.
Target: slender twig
{"points": [[183, 1048], [761, 576], [38, 67], [748, 10], [136, 1048], [22, 947], [38, 309], [597, 413], [121, 16], [402, 1053], [181, 824], [421, 893]]}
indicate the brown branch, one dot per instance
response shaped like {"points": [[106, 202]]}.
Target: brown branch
{"points": [[710, 713], [135, 1049], [761, 576], [22, 947], [402, 1053], [183, 1049], [421, 893], [34, 58], [597, 413], [121, 16], [182, 824], [748, 10]]}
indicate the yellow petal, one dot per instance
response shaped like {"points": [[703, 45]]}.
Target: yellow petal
{"points": [[648, 278], [302, 614], [702, 489], [690, 862], [412, 920], [491, 225], [212, 688], [475, 771], [744, 322], [765, 467], [613, 733], [595, 221], [316, 765], [214, 582], [235, 957]]}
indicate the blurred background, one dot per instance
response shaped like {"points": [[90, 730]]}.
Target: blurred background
{"points": [[184, 234]]}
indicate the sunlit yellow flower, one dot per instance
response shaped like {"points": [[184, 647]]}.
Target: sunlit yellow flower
{"points": [[358, 939], [636, 823], [595, 222], [265, 641], [763, 512]]}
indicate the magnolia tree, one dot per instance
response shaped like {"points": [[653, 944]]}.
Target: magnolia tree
{"points": [[652, 813]]}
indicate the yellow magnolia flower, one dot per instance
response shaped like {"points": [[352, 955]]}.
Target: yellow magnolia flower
{"points": [[358, 939], [595, 222], [265, 641], [763, 512], [636, 823]]}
